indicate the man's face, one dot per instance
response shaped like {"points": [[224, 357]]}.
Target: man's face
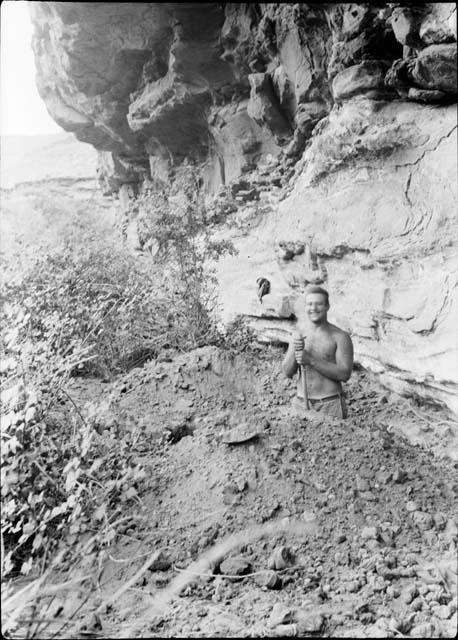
{"points": [[316, 307]]}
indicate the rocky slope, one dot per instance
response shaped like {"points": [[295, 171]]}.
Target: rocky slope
{"points": [[343, 553], [333, 129]]}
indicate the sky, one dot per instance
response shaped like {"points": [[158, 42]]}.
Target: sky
{"points": [[22, 111]]}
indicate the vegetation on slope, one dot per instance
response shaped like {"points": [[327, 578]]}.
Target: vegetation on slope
{"points": [[87, 306]]}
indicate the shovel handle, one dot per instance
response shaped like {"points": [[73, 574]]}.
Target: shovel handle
{"points": [[304, 387], [299, 335]]}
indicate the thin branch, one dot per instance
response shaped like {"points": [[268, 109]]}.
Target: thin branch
{"points": [[82, 552], [17, 602], [37, 464], [121, 560], [35, 632], [75, 612], [75, 405]]}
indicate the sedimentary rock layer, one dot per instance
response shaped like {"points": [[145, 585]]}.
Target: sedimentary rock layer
{"points": [[382, 231]]}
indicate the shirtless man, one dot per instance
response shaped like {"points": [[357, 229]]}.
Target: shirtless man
{"points": [[324, 354]]}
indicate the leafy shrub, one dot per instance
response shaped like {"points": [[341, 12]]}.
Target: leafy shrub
{"points": [[96, 298], [81, 310], [239, 337], [59, 476], [175, 225]]}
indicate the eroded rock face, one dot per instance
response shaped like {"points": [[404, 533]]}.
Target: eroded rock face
{"points": [[379, 234], [154, 84], [338, 123]]}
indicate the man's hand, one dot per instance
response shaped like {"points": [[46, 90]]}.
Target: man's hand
{"points": [[298, 342], [298, 345], [301, 349]]}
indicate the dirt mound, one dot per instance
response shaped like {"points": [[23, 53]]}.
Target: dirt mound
{"points": [[381, 561]]}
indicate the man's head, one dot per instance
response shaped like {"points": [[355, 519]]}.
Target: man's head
{"points": [[316, 304]]}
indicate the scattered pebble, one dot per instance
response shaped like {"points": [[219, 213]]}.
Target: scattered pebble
{"points": [[281, 558], [236, 566], [362, 484], [280, 614], [369, 533], [383, 477], [268, 579], [423, 520], [399, 476], [442, 611], [439, 521], [309, 622], [162, 563], [416, 604], [409, 593], [424, 630], [353, 586]]}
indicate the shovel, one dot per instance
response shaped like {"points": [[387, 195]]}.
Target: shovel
{"points": [[304, 387], [304, 377]]}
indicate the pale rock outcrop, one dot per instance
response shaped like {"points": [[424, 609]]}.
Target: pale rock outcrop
{"points": [[383, 219], [332, 126]]}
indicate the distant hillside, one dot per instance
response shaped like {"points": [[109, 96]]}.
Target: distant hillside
{"points": [[43, 157], [49, 184]]}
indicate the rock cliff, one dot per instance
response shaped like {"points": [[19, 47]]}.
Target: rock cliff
{"points": [[331, 128]]}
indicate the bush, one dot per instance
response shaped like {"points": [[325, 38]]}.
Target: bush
{"points": [[89, 296], [240, 337], [97, 299], [175, 226], [67, 312], [60, 477]]}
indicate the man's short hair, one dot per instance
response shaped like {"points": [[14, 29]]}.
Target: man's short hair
{"points": [[314, 288]]}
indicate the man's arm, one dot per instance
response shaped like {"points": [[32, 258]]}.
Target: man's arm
{"points": [[341, 369], [289, 365]]}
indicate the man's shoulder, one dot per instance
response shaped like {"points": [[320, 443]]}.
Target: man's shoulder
{"points": [[338, 333]]}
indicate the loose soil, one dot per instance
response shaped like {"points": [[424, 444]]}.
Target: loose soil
{"points": [[365, 509]]}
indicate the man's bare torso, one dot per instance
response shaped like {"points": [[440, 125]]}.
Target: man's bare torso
{"points": [[321, 350], [322, 342]]}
